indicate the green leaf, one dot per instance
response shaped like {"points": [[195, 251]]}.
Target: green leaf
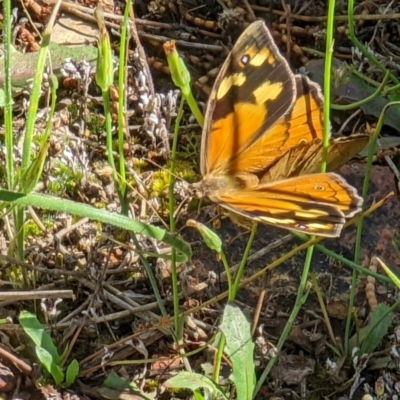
{"points": [[240, 349], [197, 395], [194, 381], [390, 274], [29, 179], [47, 361], [114, 381], [380, 321], [34, 329], [72, 372], [183, 250], [356, 89]]}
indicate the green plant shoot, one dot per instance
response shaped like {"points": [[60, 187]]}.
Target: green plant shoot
{"points": [[181, 78], [104, 68]]}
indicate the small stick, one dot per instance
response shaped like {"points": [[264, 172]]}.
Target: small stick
{"points": [[37, 295], [257, 312]]}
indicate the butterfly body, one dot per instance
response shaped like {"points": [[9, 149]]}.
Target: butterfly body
{"points": [[262, 144]]}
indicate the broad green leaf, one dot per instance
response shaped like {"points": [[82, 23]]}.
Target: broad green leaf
{"points": [[240, 349], [114, 381], [380, 321], [34, 329], [47, 361], [194, 381], [72, 372], [369, 337]]}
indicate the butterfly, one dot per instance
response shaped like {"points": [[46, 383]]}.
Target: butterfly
{"points": [[261, 148]]}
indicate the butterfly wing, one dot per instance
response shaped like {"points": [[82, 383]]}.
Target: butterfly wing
{"points": [[264, 124], [302, 126], [252, 92], [306, 158], [258, 109], [315, 204]]}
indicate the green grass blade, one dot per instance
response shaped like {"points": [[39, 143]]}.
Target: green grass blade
{"points": [[183, 249], [8, 112], [37, 84]]}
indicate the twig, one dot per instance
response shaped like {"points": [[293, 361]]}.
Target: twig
{"points": [[17, 362], [249, 10], [338, 18], [142, 54], [257, 311], [87, 14], [36, 295]]}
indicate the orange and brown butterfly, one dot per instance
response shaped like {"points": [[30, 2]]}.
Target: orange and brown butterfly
{"points": [[261, 148]]}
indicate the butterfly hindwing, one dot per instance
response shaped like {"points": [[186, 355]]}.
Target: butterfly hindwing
{"points": [[320, 201], [306, 158]]}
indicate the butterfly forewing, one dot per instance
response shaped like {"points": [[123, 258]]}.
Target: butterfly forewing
{"points": [[249, 96], [302, 125]]}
